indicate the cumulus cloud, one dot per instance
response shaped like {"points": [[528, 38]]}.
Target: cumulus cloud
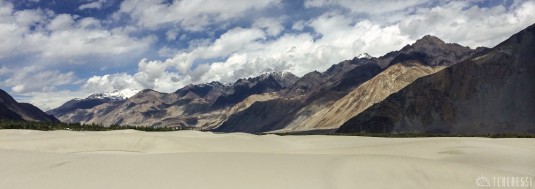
{"points": [[467, 24], [111, 82], [372, 7], [247, 52], [42, 33], [244, 52], [197, 41], [51, 99], [272, 26], [93, 5], [32, 78], [192, 15]]}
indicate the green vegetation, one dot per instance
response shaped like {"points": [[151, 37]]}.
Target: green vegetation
{"points": [[415, 135], [48, 126]]}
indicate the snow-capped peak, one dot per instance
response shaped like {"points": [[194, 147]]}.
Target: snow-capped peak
{"points": [[115, 95], [364, 55], [125, 93]]}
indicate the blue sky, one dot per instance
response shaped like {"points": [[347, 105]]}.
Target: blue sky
{"points": [[55, 50]]}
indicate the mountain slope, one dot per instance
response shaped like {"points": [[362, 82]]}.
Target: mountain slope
{"points": [[491, 93], [324, 89], [372, 91], [11, 109], [328, 99]]}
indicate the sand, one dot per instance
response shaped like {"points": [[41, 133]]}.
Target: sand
{"points": [[199, 160]]}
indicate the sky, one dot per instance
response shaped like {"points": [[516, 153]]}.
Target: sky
{"points": [[55, 50]]}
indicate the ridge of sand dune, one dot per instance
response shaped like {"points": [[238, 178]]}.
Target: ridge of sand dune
{"points": [[192, 159]]}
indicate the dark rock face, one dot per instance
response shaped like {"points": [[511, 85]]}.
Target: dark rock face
{"points": [[208, 91], [488, 94], [260, 117], [356, 76], [11, 109], [316, 91], [430, 51], [244, 88]]}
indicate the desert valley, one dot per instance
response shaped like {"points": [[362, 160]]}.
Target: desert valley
{"points": [[250, 99]]}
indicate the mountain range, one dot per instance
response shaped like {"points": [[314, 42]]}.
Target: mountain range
{"points": [[429, 86]]}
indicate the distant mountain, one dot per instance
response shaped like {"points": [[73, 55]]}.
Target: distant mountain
{"points": [[12, 110], [201, 105], [487, 94], [91, 101]]}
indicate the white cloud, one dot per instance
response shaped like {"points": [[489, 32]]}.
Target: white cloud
{"points": [[171, 35], [4, 70], [36, 44], [271, 25], [32, 78], [299, 25], [461, 22], [372, 7], [111, 82], [41, 33], [92, 5], [192, 15], [248, 52], [253, 41], [51, 99]]}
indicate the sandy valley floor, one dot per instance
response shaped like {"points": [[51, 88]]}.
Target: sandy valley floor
{"points": [[190, 159]]}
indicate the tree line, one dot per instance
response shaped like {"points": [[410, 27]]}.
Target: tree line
{"points": [[49, 126]]}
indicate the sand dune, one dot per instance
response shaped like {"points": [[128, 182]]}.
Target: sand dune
{"points": [[190, 159]]}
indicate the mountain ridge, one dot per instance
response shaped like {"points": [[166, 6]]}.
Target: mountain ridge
{"points": [[13, 110], [488, 94]]}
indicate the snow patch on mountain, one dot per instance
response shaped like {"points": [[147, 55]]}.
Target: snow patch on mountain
{"points": [[115, 95]]}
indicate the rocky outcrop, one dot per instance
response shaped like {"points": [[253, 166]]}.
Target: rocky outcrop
{"points": [[488, 94], [13, 110]]}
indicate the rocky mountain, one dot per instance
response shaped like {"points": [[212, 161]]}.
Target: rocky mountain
{"points": [[310, 93], [370, 92], [200, 106], [429, 50], [264, 83], [327, 100], [13, 110], [487, 94], [91, 101]]}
